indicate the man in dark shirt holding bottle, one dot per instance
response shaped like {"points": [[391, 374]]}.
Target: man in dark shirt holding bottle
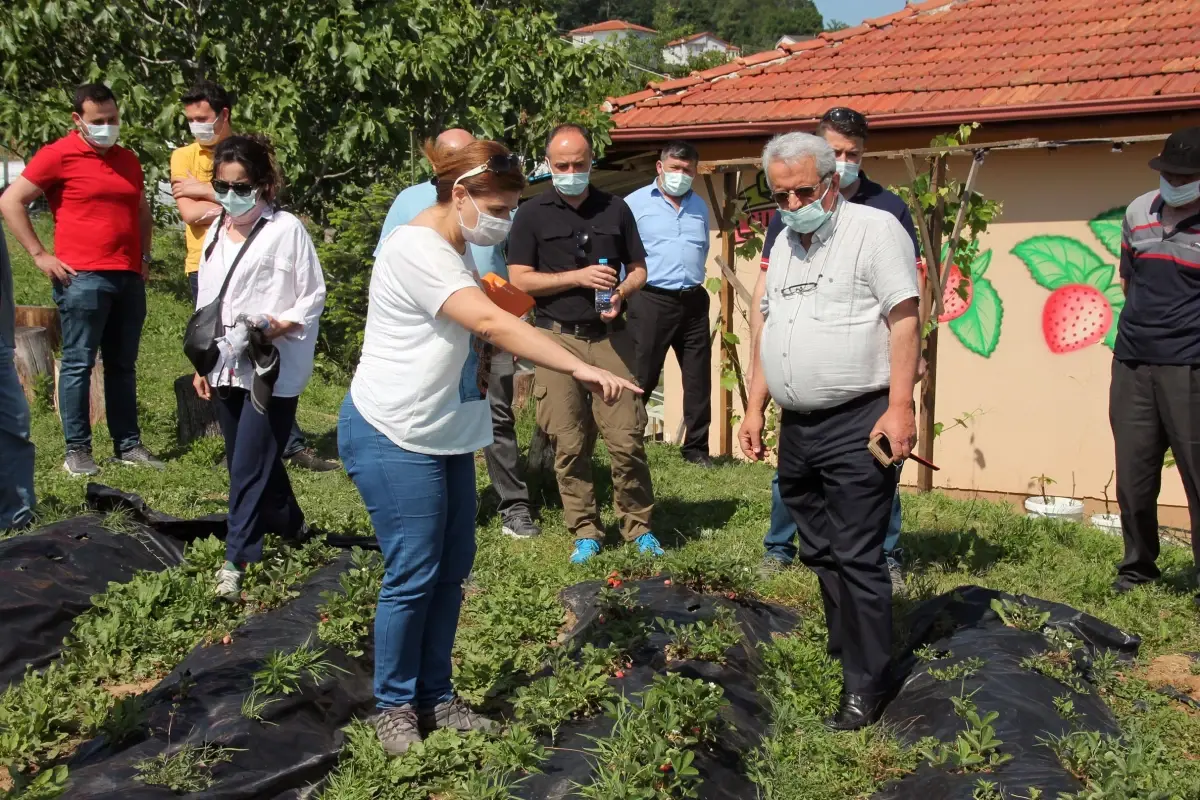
{"points": [[554, 252]]}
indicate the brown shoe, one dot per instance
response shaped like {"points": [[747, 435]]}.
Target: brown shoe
{"points": [[454, 715], [397, 729], [309, 460]]}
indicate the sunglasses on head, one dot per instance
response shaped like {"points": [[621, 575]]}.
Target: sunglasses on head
{"points": [[844, 116], [240, 189], [507, 162]]}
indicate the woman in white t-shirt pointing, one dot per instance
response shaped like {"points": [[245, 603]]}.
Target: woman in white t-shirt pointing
{"points": [[414, 417]]}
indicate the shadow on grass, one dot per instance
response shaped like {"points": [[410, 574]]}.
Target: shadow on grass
{"points": [[952, 550], [676, 522]]}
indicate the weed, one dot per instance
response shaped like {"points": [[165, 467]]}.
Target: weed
{"points": [[1058, 661], [702, 640], [1019, 615], [929, 653], [1065, 706], [570, 691], [975, 749], [347, 616], [1112, 769], [987, 790], [959, 671], [1104, 671], [281, 674], [119, 520], [188, 769], [1195, 667]]}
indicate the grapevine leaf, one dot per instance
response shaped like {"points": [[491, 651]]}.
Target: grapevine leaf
{"points": [[979, 328], [1056, 261], [1107, 227]]}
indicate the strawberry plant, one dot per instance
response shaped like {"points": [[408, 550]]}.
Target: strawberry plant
{"points": [[703, 640], [1113, 769], [348, 616], [1019, 615], [1057, 661], [958, 671], [712, 571], [975, 749], [570, 691]]}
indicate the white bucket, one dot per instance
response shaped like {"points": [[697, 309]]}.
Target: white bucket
{"points": [[1109, 523], [1066, 509]]}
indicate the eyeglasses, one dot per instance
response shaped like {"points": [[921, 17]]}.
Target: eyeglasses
{"points": [[240, 189], [583, 246], [845, 116], [801, 289], [500, 163], [803, 193]]}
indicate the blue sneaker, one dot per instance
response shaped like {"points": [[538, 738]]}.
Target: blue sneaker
{"points": [[648, 544], [584, 550]]}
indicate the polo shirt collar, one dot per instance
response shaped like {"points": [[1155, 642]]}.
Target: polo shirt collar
{"points": [[656, 189], [561, 201]]}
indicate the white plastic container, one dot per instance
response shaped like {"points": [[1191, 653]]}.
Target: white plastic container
{"points": [[1065, 509], [1109, 523]]}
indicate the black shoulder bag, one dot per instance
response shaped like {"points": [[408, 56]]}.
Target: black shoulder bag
{"points": [[205, 327]]}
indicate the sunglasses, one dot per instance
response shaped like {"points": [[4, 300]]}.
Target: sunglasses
{"points": [[240, 189], [843, 116], [583, 246], [507, 162], [802, 193]]}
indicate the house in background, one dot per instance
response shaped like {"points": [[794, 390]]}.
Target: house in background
{"points": [[794, 38], [613, 30], [681, 51], [1049, 70]]}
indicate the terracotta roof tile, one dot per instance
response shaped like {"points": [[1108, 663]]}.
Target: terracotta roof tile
{"points": [[948, 57], [612, 25]]}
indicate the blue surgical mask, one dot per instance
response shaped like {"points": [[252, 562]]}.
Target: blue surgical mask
{"points": [[809, 218], [676, 184], [1178, 196], [236, 206], [848, 172], [572, 184], [102, 135]]}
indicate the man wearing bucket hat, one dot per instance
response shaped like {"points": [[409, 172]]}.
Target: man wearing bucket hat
{"points": [[1156, 360]]}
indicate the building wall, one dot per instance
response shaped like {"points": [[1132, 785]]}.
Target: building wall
{"points": [[682, 53], [1027, 409], [607, 36]]}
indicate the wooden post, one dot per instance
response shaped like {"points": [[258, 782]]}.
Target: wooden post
{"points": [[33, 357], [926, 424], [725, 406], [41, 317]]}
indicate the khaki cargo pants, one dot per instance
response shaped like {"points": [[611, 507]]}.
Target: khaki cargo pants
{"points": [[564, 411]]}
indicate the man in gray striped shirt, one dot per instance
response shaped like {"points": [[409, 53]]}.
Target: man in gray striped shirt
{"points": [[838, 353]]}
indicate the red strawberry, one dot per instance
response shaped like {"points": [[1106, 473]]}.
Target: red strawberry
{"points": [[620, 673], [953, 304], [1075, 317]]}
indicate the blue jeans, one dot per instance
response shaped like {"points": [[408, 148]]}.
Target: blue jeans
{"points": [[422, 508], [780, 540], [16, 449], [101, 312]]}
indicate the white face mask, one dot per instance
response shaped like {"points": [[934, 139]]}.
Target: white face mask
{"points": [[489, 231], [205, 132], [676, 184], [1178, 196], [102, 135], [848, 172]]}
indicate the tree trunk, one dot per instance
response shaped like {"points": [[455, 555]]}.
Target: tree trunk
{"points": [[522, 388], [197, 418], [95, 391], [34, 357], [41, 317]]}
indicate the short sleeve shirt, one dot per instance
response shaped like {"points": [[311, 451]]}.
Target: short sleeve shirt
{"points": [[551, 236], [193, 161], [95, 200], [417, 380]]}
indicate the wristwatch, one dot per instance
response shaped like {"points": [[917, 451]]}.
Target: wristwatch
{"points": [[146, 259]]}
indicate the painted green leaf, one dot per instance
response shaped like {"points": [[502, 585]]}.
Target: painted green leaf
{"points": [[1115, 295], [1110, 339], [1107, 227], [979, 328], [1056, 261], [1101, 277], [982, 262]]}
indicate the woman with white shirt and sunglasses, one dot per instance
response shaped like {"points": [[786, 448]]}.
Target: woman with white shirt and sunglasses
{"points": [[276, 287], [416, 413]]}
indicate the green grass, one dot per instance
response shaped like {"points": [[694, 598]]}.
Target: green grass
{"points": [[711, 521]]}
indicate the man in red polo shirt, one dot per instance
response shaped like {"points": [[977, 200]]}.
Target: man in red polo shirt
{"points": [[101, 256]]}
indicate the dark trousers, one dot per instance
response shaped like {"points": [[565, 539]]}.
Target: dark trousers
{"points": [[660, 323], [1151, 408], [841, 498], [260, 495], [503, 456], [102, 313], [295, 441]]}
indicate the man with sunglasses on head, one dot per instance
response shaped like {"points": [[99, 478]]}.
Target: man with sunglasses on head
{"points": [[846, 132], [567, 248], [503, 455], [101, 260], [671, 311], [208, 109], [839, 354]]}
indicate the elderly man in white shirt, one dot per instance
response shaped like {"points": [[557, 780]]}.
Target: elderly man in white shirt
{"points": [[838, 352]]}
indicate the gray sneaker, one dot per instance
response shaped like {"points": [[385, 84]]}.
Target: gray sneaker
{"points": [[229, 584], [139, 456], [397, 729], [454, 715], [899, 588], [520, 525], [80, 462], [770, 567]]}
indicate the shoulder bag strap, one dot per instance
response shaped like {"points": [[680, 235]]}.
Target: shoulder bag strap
{"points": [[258, 226]]}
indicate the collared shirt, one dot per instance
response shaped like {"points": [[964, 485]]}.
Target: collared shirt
{"points": [[96, 201], [279, 276], [676, 239], [826, 338], [193, 161], [1160, 323], [551, 236], [868, 193], [417, 198]]}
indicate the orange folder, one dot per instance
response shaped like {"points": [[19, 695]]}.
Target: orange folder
{"points": [[507, 296]]}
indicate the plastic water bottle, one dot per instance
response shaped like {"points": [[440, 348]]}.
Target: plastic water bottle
{"points": [[604, 296]]}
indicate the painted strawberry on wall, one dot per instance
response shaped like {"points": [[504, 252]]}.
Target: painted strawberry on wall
{"points": [[1085, 299], [970, 306]]}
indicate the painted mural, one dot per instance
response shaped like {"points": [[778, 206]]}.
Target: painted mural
{"points": [[1085, 299], [753, 205], [971, 308]]}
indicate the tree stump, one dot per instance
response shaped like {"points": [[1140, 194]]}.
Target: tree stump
{"points": [[41, 317], [34, 357], [197, 418], [522, 388], [95, 391]]}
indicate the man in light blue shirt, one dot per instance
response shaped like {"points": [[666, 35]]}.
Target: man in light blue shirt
{"points": [[503, 456], [671, 311]]}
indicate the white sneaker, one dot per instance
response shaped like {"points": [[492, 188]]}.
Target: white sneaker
{"points": [[229, 584]]}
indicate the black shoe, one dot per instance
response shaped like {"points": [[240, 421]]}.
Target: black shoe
{"points": [[1126, 585], [309, 460], [703, 460], [856, 711]]}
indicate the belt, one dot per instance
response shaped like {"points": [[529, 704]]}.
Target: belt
{"points": [[671, 292], [581, 330]]}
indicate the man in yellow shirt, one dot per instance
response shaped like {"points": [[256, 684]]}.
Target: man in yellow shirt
{"points": [[208, 109]]}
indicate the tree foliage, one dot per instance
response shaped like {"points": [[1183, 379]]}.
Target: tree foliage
{"points": [[346, 88]]}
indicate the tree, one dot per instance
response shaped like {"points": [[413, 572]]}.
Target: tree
{"points": [[345, 88]]}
